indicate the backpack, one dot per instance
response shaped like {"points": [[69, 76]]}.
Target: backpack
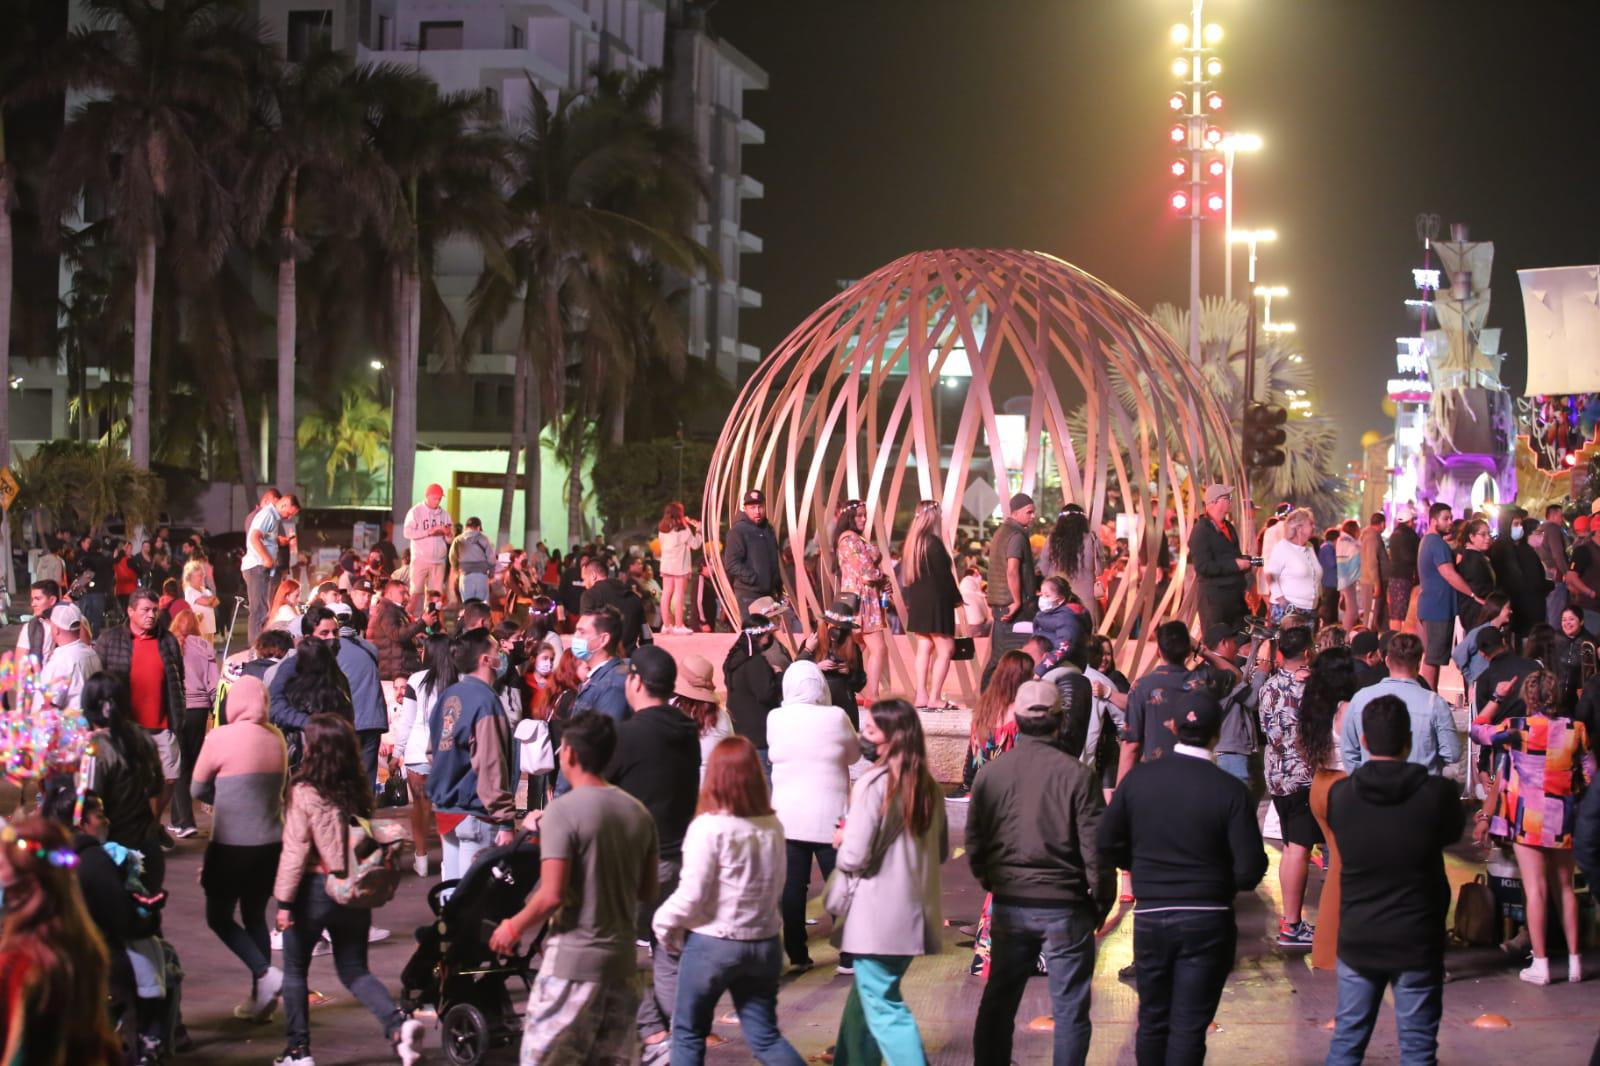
{"points": [[1477, 917], [372, 865]]}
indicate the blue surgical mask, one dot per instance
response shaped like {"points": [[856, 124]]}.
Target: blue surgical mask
{"points": [[581, 649], [1516, 532], [500, 667]]}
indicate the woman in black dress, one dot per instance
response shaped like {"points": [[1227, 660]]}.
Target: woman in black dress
{"points": [[1472, 563], [931, 600]]}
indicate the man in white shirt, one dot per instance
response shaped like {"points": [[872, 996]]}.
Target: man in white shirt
{"points": [[428, 528], [261, 555], [36, 637], [73, 659]]}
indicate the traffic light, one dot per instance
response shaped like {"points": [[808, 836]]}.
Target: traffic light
{"points": [[1264, 435]]}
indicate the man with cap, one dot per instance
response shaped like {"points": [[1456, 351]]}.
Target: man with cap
{"points": [[472, 556], [72, 659], [428, 528], [1011, 579], [1239, 738], [750, 555], [1221, 566], [1031, 832], [1404, 544], [657, 762], [1188, 832], [1583, 577], [1367, 650]]}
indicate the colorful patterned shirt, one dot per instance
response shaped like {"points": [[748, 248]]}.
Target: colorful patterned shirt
{"points": [[1287, 771]]}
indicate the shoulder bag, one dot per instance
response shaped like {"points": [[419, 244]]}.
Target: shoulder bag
{"points": [[840, 890]]}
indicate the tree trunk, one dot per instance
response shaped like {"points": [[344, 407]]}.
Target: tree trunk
{"points": [[6, 576], [519, 429], [144, 291], [617, 420], [532, 467], [403, 375], [575, 494], [239, 417], [284, 465]]}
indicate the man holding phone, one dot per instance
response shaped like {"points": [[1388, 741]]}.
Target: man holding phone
{"points": [[1222, 569]]}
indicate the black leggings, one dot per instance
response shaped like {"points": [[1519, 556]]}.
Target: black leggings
{"points": [[239, 876]]}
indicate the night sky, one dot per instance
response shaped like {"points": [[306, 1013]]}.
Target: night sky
{"points": [[897, 125]]}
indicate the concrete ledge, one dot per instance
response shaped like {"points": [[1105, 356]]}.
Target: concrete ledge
{"points": [[947, 734]]}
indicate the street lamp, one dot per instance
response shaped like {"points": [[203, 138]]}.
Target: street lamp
{"points": [[1195, 68], [1231, 145], [1268, 293]]}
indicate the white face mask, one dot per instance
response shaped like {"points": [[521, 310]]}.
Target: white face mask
{"points": [[1516, 532], [543, 667], [1048, 603]]}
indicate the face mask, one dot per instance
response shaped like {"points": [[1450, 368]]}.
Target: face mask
{"points": [[500, 667], [1048, 603], [1516, 532], [581, 649], [869, 750], [543, 667]]}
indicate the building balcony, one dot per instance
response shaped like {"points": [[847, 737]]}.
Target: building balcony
{"points": [[750, 133], [749, 298], [749, 243], [750, 188], [463, 69]]}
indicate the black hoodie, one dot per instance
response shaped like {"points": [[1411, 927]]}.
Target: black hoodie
{"points": [[754, 689], [1392, 822], [657, 762]]}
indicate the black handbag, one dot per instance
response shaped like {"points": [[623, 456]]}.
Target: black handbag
{"points": [[395, 792], [966, 650]]}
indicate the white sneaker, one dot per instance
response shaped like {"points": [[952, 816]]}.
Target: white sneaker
{"points": [[1537, 973], [263, 1001], [295, 1057], [1574, 968], [409, 1046], [420, 864], [374, 934]]}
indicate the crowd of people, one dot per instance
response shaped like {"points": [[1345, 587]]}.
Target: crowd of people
{"points": [[495, 693]]}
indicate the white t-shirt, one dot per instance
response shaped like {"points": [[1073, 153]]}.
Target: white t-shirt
{"points": [[72, 663], [973, 600], [267, 523], [1295, 574]]}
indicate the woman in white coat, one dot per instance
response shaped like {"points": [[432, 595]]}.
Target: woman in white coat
{"points": [[891, 845], [812, 746]]}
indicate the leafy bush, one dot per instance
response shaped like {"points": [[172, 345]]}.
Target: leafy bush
{"points": [[634, 481]]}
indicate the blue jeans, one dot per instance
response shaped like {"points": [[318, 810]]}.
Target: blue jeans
{"points": [[1066, 936], [748, 969], [347, 927], [1181, 960], [1418, 1005], [877, 1026], [1235, 764]]}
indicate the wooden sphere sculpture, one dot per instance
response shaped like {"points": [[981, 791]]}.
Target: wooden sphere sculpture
{"points": [[849, 407]]}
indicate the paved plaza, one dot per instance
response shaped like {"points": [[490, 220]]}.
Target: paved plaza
{"points": [[1276, 1008]]}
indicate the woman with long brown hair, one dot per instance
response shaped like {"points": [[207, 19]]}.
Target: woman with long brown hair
{"points": [[680, 536], [724, 913], [890, 847], [53, 963], [1329, 686], [329, 789], [931, 600], [1542, 764]]}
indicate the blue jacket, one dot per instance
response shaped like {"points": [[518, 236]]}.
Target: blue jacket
{"points": [[358, 661], [471, 753], [603, 692], [1058, 624]]}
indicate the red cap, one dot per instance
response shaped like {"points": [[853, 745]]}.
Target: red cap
{"points": [[1580, 524], [433, 489]]}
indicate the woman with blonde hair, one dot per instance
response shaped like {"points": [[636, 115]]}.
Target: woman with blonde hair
{"points": [[202, 601], [1294, 575], [931, 600], [53, 963], [1542, 762], [679, 536], [860, 574]]}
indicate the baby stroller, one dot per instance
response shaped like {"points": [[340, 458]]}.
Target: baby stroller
{"points": [[453, 968]]}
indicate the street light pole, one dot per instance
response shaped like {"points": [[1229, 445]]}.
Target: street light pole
{"points": [[1232, 144], [1195, 146]]}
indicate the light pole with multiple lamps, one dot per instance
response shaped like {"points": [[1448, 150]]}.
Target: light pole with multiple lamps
{"points": [[1232, 145], [1196, 69]]}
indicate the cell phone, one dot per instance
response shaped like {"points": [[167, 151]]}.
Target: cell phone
{"points": [[1256, 560]]}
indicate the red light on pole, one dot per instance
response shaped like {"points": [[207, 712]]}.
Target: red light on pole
{"points": [[1178, 101], [1216, 168], [1179, 133], [1180, 168], [1214, 202], [1213, 101], [1179, 201], [1213, 136]]}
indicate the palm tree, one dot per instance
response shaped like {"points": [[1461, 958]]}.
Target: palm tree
{"points": [[592, 176], [173, 88], [355, 438], [443, 154], [307, 141]]}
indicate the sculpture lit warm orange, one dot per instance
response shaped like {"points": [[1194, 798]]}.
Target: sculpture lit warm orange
{"points": [[845, 408]]}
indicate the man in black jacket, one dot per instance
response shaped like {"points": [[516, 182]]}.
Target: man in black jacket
{"points": [[1187, 830], [1031, 841], [602, 591], [1392, 821], [1221, 566], [754, 687], [750, 554], [657, 762]]}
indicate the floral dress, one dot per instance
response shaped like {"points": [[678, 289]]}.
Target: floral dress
{"points": [[1004, 739], [1541, 767], [858, 573]]}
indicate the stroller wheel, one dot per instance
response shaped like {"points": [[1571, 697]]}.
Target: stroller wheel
{"points": [[466, 1034]]}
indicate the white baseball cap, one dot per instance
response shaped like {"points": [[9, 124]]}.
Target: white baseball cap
{"points": [[66, 616]]}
